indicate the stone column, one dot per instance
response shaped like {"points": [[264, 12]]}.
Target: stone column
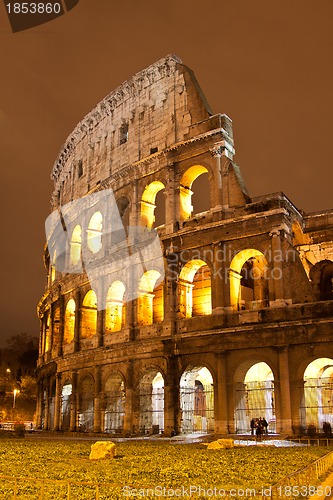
{"points": [[284, 390], [220, 199], [100, 327], [47, 405], [129, 396], [220, 280], [39, 408], [97, 401], [170, 293], [57, 403], [277, 269], [220, 396], [61, 324], [74, 397], [170, 201], [77, 325]]}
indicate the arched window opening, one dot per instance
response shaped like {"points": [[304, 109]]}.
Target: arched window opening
{"points": [[66, 395], [254, 399], [47, 332], [53, 266], [160, 208], [89, 315], [75, 246], [94, 232], [194, 289], [115, 307], [151, 396], [86, 405], [114, 404], [317, 403], [197, 400], [150, 299], [248, 280], [201, 194], [186, 192], [124, 209], [148, 205], [69, 325]]}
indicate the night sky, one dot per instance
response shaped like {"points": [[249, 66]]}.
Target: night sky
{"points": [[268, 65]]}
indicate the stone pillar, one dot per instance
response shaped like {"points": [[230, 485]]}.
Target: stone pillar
{"points": [[77, 325], [216, 151], [61, 324], [39, 408], [47, 405], [220, 396], [284, 390], [97, 401], [129, 397], [170, 292], [170, 201], [57, 403], [220, 280], [298, 411], [276, 269], [74, 397], [100, 327]]}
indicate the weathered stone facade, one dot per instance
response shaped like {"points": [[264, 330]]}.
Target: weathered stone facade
{"points": [[242, 321]]}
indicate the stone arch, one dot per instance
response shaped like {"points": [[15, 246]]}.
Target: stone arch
{"points": [[75, 246], [85, 412], [94, 232], [317, 401], [65, 408], [148, 205], [150, 298], [321, 276], [151, 402], [196, 400], [89, 315], [69, 324], [115, 307], [254, 395], [194, 289], [114, 403], [186, 182], [248, 280]]}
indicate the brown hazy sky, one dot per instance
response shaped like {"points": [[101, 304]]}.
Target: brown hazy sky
{"points": [[267, 64]]}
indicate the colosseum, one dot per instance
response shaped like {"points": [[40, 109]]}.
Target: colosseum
{"points": [[232, 321]]}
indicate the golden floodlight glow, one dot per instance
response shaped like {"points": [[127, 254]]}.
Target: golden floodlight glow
{"points": [[186, 182], [194, 289], [319, 368], [94, 232], [237, 263], [148, 203], [115, 308], [260, 372], [89, 315], [69, 321], [148, 306], [75, 247]]}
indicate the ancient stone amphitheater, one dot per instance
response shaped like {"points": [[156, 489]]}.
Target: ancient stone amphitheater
{"points": [[232, 321]]}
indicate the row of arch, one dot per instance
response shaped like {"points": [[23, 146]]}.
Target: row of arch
{"points": [[151, 213], [254, 398]]}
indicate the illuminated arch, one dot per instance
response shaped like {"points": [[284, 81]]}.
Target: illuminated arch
{"points": [[53, 266], [150, 299], [86, 404], [151, 402], [89, 315], [317, 405], [148, 203], [248, 283], [48, 332], [115, 309], [194, 289], [254, 397], [197, 400], [69, 325], [75, 246], [114, 404], [186, 182], [94, 232]]}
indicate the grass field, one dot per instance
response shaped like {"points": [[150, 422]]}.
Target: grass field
{"points": [[145, 464]]}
